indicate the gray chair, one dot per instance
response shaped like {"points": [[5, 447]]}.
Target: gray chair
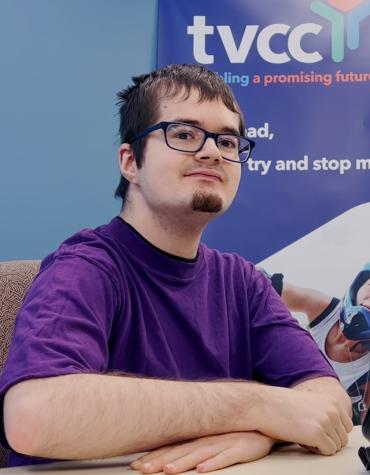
{"points": [[15, 279]]}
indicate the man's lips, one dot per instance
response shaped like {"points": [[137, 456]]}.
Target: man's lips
{"points": [[211, 174]]}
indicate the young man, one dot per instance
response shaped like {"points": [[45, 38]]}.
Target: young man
{"points": [[126, 325], [341, 328]]}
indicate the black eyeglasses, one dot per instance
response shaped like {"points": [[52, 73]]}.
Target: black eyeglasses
{"points": [[191, 138]]}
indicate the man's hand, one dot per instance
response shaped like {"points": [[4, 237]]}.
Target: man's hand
{"points": [[206, 453], [319, 422]]}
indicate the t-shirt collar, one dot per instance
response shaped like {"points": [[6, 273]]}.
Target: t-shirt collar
{"points": [[151, 256]]}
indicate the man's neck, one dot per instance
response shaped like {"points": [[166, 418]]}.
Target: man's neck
{"points": [[179, 237]]}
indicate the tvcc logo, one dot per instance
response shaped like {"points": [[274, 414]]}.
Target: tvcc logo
{"points": [[338, 13]]}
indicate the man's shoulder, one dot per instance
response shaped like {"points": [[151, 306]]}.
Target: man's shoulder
{"points": [[97, 246], [228, 261]]}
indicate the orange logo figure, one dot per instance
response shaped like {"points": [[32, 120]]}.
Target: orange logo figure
{"points": [[345, 5]]}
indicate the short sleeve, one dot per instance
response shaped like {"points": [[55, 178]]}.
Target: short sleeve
{"points": [[64, 324], [283, 353]]}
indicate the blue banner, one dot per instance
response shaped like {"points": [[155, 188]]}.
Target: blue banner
{"points": [[300, 71]]}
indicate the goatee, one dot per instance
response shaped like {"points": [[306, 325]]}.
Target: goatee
{"points": [[206, 202]]}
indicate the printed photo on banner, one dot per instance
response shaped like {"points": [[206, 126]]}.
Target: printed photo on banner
{"points": [[329, 294]]}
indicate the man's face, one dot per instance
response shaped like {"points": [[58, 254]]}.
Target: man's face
{"points": [[174, 181]]}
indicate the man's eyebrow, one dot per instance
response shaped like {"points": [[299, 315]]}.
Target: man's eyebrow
{"points": [[226, 129]]}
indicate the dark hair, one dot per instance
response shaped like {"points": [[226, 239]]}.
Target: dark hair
{"points": [[139, 103]]}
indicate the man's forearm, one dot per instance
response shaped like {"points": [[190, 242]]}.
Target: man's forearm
{"points": [[92, 416]]}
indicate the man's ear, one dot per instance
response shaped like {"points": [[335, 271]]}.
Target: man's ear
{"points": [[127, 163]]}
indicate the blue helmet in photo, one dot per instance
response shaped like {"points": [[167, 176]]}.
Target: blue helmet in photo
{"points": [[355, 319]]}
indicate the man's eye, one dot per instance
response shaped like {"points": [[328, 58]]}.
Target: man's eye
{"points": [[227, 143], [184, 135]]}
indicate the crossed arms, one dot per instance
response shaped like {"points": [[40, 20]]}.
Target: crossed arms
{"points": [[82, 416], [91, 416]]}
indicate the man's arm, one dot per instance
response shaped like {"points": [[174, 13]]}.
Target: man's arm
{"points": [[91, 416], [219, 451]]}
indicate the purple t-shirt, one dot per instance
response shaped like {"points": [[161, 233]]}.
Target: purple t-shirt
{"points": [[107, 300]]}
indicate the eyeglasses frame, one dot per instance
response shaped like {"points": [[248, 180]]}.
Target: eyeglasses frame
{"points": [[214, 135]]}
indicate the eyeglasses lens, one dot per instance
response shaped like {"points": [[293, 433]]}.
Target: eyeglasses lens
{"points": [[187, 138], [184, 137]]}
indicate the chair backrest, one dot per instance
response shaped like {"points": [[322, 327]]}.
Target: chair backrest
{"points": [[15, 279]]}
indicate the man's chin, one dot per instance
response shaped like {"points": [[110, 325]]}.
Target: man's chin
{"points": [[207, 202]]}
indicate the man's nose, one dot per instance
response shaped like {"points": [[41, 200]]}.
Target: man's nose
{"points": [[209, 151]]}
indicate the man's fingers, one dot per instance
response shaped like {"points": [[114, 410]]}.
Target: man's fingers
{"points": [[330, 432], [157, 464], [150, 455], [154, 461], [207, 453], [173, 460], [329, 440], [327, 446], [335, 438], [236, 454], [347, 422], [342, 433], [338, 430], [344, 439], [232, 456], [222, 460], [190, 460], [147, 458]]}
